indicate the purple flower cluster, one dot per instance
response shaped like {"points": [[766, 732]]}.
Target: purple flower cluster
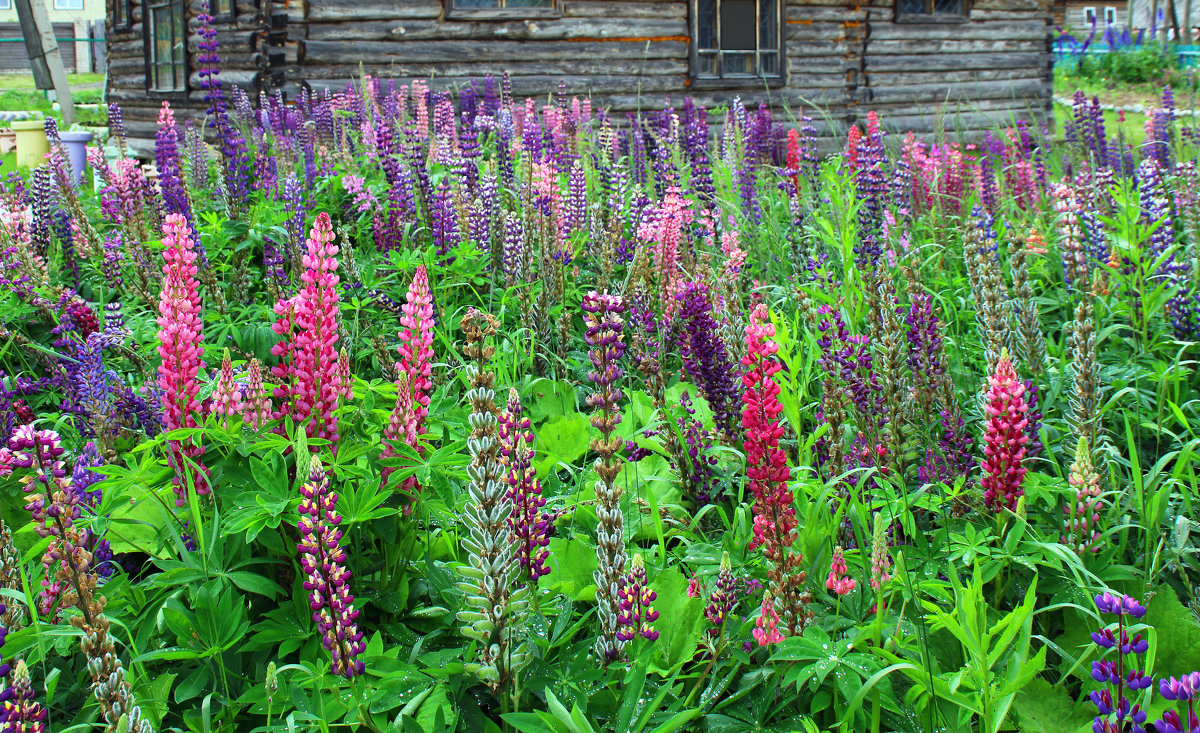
{"points": [[531, 527], [1120, 674], [705, 355]]}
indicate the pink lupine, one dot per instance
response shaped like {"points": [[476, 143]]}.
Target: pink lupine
{"points": [[766, 626], [257, 405], [227, 394], [309, 355], [415, 368], [664, 227], [181, 345], [838, 581], [1005, 438], [1083, 513]]}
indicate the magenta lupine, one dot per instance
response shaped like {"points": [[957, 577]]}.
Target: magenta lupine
{"points": [[416, 368], [326, 577], [309, 326], [181, 347], [227, 394], [22, 713], [1004, 438], [531, 527], [636, 598]]}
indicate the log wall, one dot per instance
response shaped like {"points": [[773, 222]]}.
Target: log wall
{"points": [[844, 57]]}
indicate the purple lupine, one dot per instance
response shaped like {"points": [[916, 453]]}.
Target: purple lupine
{"points": [[531, 527], [924, 346], [82, 479], [444, 223], [705, 356], [699, 483], [848, 358], [238, 163], [723, 598], [1184, 690], [326, 576], [209, 62], [1117, 713], [170, 169]]}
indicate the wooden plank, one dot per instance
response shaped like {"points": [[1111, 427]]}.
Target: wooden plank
{"points": [[608, 9], [823, 14], [1013, 89], [633, 68], [1006, 60], [946, 47], [888, 79], [1025, 30], [341, 10], [547, 30], [353, 52]]}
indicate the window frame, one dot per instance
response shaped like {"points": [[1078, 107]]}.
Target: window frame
{"points": [[697, 80], [6, 4], [1089, 9], [122, 15], [1110, 9], [952, 18], [148, 46], [455, 12], [56, 5], [227, 8]]}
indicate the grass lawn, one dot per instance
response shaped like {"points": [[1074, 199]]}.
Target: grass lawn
{"points": [[25, 81]]}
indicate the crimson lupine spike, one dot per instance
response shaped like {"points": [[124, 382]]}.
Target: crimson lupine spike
{"points": [[326, 577], [1005, 438], [768, 471], [181, 347], [637, 614], [531, 527]]}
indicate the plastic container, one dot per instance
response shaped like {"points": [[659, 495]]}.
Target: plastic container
{"points": [[8, 141], [32, 145], [76, 144]]}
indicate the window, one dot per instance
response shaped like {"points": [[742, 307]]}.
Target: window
{"points": [[120, 14], [501, 8], [68, 4], [1110, 16], [931, 10], [5, 4], [166, 65], [736, 39], [1089, 16]]}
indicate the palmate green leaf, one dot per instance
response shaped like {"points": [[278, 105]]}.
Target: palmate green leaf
{"points": [[563, 439], [679, 619], [571, 562], [1177, 631]]}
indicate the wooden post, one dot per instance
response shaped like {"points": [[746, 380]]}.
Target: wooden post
{"points": [[44, 59], [1187, 22]]}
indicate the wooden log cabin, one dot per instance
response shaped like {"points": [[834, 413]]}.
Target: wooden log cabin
{"points": [[924, 65]]}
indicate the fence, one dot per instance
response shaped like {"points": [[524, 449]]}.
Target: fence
{"points": [[14, 57], [1187, 57]]}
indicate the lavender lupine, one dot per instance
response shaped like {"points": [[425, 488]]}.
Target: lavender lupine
{"points": [[1123, 675], [602, 314], [326, 576], [496, 600], [1186, 691]]}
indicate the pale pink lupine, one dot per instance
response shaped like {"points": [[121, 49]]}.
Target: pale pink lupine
{"points": [[664, 228], [735, 256], [181, 346], [257, 405], [308, 324], [227, 394]]}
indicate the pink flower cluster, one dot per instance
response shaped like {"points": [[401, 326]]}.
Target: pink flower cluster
{"points": [[838, 581], [309, 373], [181, 347], [1004, 438], [415, 369], [766, 626]]}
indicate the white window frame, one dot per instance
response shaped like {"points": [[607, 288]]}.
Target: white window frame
{"points": [[1110, 15], [68, 4], [5, 4], [1087, 21]]}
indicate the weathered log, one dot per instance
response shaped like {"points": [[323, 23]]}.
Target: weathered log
{"points": [[534, 30], [632, 68], [352, 52], [340, 10], [628, 9]]}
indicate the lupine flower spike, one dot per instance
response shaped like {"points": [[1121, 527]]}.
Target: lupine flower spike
{"points": [[766, 626], [326, 576], [1005, 438], [637, 610], [1122, 675], [838, 582]]}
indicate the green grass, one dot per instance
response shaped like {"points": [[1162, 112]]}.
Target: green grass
{"points": [[1133, 128], [17, 92], [25, 81]]}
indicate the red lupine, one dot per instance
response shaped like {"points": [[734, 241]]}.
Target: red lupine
{"points": [[1005, 438], [768, 471], [181, 346]]}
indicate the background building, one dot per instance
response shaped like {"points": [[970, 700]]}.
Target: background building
{"points": [[81, 19]]}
